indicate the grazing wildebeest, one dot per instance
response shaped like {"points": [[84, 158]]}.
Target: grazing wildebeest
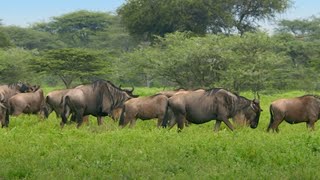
{"points": [[144, 108], [27, 103], [214, 104], [295, 110], [6, 92], [97, 99]]}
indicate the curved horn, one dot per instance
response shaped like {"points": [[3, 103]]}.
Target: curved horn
{"points": [[132, 89]]}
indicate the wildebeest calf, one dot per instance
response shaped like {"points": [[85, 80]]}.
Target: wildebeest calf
{"points": [[144, 108], [295, 110]]}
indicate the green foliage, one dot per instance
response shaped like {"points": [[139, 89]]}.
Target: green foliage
{"points": [[145, 18], [31, 39], [87, 29], [248, 62], [301, 40], [4, 40], [69, 64], [13, 65], [39, 149]]}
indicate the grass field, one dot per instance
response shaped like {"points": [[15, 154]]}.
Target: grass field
{"points": [[39, 149]]}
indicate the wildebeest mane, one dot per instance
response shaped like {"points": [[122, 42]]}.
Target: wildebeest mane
{"points": [[313, 95], [233, 100], [116, 95], [22, 87]]}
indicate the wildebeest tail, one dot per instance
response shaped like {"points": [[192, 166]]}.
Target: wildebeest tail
{"points": [[167, 116], [47, 108], [271, 116], [121, 120], [64, 104]]}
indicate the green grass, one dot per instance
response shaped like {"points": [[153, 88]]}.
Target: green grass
{"points": [[39, 149]]}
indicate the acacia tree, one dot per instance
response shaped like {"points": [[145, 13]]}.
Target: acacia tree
{"points": [[145, 18], [69, 64], [77, 28], [13, 65]]}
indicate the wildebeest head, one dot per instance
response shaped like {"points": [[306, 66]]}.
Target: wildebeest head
{"points": [[129, 92], [22, 87], [252, 114], [110, 96]]}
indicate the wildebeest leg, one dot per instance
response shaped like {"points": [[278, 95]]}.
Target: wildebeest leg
{"points": [[79, 118], [217, 125], [133, 122], [159, 122], [85, 119], [310, 124], [180, 121], [5, 121], [99, 119], [274, 125], [223, 117]]}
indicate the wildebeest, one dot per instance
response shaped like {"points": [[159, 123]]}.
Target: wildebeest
{"points": [[170, 93], [97, 99], [144, 108], [170, 115], [116, 113], [295, 110], [27, 103], [6, 92], [214, 104], [53, 102]]}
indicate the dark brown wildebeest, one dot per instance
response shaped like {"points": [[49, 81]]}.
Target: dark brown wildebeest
{"points": [[116, 113], [6, 92], [214, 104], [144, 108], [295, 110], [97, 99], [172, 120], [27, 103]]}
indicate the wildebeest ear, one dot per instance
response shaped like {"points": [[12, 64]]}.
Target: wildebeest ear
{"points": [[256, 101], [256, 105]]}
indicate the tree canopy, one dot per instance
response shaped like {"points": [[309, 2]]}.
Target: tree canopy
{"points": [[69, 64], [145, 18]]}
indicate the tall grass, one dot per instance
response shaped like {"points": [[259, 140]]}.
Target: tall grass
{"points": [[39, 149]]}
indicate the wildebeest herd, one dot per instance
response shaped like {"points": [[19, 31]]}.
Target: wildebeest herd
{"points": [[182, 107]]}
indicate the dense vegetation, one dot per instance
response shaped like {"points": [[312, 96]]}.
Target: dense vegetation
{"points": [[225, 49], [229, 52], [40, 149]]}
